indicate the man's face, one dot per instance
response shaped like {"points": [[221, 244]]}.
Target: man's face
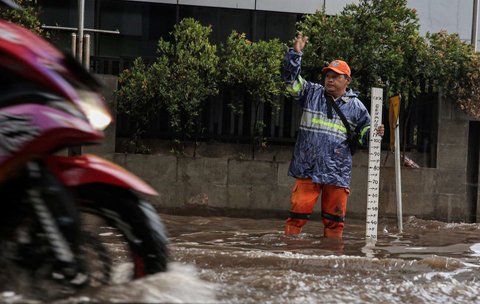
{"points": [[336, 84]]}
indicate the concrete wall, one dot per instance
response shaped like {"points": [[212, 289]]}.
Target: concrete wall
{"points": [[452, 160], [262, 188], [229, 185]]}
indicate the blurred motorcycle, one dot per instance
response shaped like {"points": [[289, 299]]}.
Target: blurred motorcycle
{"points": [[54, 207]]}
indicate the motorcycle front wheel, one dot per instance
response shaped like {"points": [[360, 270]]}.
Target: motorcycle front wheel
{"points": [[128, 226]]}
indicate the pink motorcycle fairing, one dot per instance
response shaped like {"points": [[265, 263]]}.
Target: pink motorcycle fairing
{"points": [[88, 169], [32, 130]]}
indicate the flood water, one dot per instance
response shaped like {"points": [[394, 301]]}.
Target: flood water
{"points": [[235, 260]]}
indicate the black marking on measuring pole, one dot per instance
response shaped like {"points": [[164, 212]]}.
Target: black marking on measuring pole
{"points": [[374, 151]]}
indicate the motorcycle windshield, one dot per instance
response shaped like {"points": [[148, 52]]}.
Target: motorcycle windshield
{"points": [[34, 60]]}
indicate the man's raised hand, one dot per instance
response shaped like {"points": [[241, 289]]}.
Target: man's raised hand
{"points": [[300, 42]]}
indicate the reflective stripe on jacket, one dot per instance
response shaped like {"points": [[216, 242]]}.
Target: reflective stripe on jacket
{"points": [[321, 151]]}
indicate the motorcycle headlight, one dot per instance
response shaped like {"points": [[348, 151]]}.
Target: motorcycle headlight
{"points": [[95, 110]]}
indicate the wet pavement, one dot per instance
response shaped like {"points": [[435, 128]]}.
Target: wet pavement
{"points": [[238, 260]]}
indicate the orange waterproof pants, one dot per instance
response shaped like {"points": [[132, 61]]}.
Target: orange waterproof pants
{"points": [[305, 194]]}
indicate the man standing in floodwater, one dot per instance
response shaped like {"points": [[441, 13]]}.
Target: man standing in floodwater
{"points": [[322, 158]]}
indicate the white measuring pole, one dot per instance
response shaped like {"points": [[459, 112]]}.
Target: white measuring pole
{"points": [[374, 165], [398, 178]]}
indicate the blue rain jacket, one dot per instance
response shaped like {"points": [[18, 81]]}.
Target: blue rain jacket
{"points": [[321, 151]]}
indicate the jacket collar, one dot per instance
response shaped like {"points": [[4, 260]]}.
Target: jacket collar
{"points": [[349, 95]]}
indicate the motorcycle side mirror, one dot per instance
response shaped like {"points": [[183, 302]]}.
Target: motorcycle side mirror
{"points": [[10, 3]]}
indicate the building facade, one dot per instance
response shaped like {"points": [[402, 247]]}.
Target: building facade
{"points": [[142, 23]]}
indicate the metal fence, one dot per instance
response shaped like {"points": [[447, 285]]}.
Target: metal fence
{"points": [[220, 123]]}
